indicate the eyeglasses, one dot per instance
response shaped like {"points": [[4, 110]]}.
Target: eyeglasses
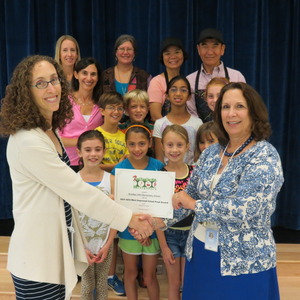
{"points": [[42, 84], [129, 50], [113, 108], [175, 90]]}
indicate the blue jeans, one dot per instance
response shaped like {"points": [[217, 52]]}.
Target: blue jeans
{"points": [[176, 240]]}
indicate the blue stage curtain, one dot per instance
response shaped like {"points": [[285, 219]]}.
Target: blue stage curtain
{"points": [[5, 184], [262, 41]]}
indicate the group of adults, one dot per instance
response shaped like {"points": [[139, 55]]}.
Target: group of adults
{"points": [[232, 190]]}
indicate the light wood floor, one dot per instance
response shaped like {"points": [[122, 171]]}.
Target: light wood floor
{"points": [[288, 269]]}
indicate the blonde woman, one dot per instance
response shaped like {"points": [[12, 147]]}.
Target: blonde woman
{"points": [[67, 53]]}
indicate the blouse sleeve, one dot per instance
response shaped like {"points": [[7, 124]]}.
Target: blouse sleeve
{"points": [[243, 194], [178, 215], [157, 90], [157, 128]]}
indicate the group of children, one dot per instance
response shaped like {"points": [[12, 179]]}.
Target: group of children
{"points": [[179, 141]]}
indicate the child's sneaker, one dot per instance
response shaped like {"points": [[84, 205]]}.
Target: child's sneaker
{"points": [[116, 285]]}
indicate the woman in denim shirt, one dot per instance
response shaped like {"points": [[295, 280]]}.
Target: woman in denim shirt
{"points": [[231, 250]]}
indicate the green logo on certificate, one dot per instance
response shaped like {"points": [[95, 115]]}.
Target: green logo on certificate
{"points": [[144, 183]]}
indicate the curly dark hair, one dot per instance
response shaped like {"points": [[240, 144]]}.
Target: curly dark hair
{"points": [[19, 111], [261, 128]]}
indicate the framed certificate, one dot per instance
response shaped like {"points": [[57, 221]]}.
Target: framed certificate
{"points": [[148, 192]]}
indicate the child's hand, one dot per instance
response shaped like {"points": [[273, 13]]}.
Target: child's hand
{"points": [[145, 242], [90, 256], [101, 255], [168, 256]]}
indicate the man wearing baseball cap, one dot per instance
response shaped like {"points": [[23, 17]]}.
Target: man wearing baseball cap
{"points": [[211, 48]]}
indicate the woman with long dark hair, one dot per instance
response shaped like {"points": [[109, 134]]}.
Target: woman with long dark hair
{"points": [[86, 90]]}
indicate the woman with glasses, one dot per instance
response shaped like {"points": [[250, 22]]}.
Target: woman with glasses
{"points": [[86, 91], [124, 76], [46, 250], [172, 56]]}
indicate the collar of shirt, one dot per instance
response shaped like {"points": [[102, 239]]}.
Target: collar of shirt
{"points": [[216, 70]]}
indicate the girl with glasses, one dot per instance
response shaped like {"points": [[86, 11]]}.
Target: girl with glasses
{"points": [[178, 93]]}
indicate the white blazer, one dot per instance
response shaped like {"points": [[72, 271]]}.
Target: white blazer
{"points": [[39, 248]]}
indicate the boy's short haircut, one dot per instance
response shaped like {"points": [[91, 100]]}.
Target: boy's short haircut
{"points": [[110, 98], [139, 95]]}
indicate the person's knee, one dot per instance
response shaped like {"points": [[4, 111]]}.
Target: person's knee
{"points": [[149, 279], [131, 274]]}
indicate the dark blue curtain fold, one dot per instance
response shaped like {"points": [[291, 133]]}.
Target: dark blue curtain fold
{"points": [[262, 41], [5, 184]]}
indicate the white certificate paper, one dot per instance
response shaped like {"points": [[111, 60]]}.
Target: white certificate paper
{"points": [[148, 192]]}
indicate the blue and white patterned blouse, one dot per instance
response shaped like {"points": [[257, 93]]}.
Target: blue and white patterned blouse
{"points": [[241, 204]]}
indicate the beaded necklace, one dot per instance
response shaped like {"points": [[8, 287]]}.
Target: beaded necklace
{"points": [[240, 149]]}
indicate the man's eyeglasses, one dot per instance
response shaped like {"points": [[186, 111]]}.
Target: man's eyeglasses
{"points": [[42, 84]]}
